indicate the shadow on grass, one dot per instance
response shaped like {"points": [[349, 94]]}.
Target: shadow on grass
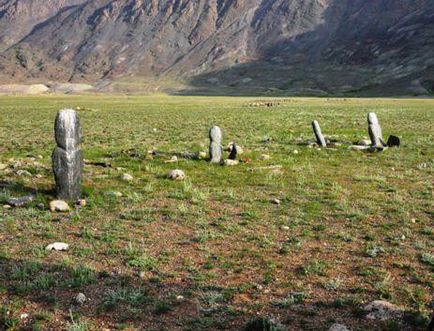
{"points": [[157, 302]]}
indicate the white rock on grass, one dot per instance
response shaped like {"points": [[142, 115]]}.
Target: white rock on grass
{"points": [[338, 327], [382, 310], [275, 201], [176, 174], [230, 163], [80, 298], [115, 194], [24, 173], [127, 177], [3, 166], [57, 246], [265, 157], [59, 205]]}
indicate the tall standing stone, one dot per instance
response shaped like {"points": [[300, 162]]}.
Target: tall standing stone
{"points": [[375, 132], [67, 157], [318, 134], [215, 146]]}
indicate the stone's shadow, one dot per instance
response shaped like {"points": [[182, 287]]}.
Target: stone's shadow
{"points": [[160, 300], [22, 189]]}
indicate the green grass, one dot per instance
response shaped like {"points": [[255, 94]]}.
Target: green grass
{"points": [[351, 227]]}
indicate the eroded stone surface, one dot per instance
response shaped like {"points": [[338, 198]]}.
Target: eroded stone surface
{"points": [[67, 157], [318, 134], [374, 129], [215, 146]]}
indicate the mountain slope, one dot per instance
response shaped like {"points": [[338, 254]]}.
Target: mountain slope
{"points": [[296, 46]]}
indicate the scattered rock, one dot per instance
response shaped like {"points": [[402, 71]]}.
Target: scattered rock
{"points": [[284, 228], [179, 298], [364, 142], [295, 151], [264, 157], [275, 201], [59, 205], [3, 166], [230, 163], [81, 202], [57, 246], [338, 327], [115, 194], [382, 310], [21, 202], [7, 206], [203, 155], [80, 298], [24, 316], [215, 146], [24, 173], [172, 160], [176, 174], [127, 177]]}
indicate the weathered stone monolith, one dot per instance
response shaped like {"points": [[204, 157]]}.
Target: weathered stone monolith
{"points": [[215, 146], [67, 157], [318, 134], [375, 132]]}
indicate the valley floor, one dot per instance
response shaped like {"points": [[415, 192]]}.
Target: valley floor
{"points": [[213, 252]]}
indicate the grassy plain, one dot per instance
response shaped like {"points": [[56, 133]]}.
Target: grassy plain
{"points": [[212, 252]]}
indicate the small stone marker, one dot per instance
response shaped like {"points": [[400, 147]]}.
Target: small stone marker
{"points": [[233, 152], [67, 157], [215, 146], [393, 141], [375, 132], [318, 134], [230, 162]]}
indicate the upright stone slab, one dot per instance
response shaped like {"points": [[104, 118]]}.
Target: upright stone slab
{"points": [[215, 146], [318, 134], [375, 132], [67, 157]]}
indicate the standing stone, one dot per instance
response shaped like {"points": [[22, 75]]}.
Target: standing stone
{"points": [[375, 132], [67, 157], [393, 141], [215, 146], [233, 152], [318, 134]]}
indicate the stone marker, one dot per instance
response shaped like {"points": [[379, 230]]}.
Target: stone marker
{"points": [[318, 134], [67, 157], [393, 141], [215, 146], [233, 152], [375, 132]]}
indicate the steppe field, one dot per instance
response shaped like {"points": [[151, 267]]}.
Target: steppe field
{"points": [[294, 237]]}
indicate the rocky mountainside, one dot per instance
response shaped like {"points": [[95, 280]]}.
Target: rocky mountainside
{"points": [[249, 46]]}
